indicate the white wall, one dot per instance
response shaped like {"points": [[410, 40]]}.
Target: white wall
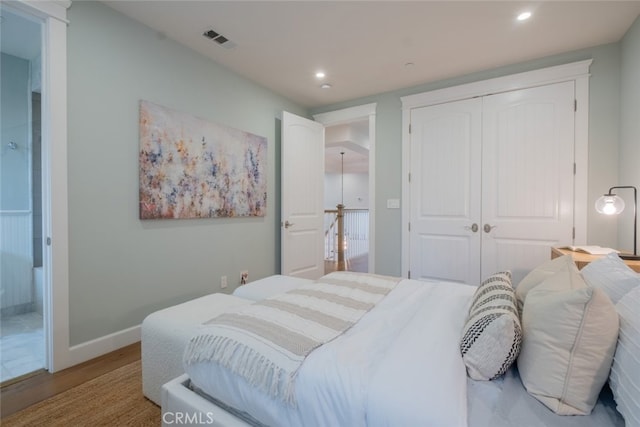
{"points": [[356, 190]]}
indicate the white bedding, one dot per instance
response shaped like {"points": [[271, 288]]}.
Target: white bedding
{"points": [[505, 403], [389, 369]]}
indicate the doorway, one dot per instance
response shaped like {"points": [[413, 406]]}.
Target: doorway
{"points": [[22, 338], [346, 186], [349, 183]]}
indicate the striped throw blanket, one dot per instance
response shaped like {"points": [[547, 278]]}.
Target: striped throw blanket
{"points": [[267, 341]]}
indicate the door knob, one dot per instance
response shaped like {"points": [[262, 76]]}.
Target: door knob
{"points": [[487, 228], [288, 224], [473, 227]]}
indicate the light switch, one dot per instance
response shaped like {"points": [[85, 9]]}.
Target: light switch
{"points": [[393, 203]]}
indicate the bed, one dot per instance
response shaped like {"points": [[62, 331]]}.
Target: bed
{"points": [[401, 364]]}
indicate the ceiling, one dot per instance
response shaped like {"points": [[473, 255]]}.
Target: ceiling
{"points": [[364, 46], [352, 139]]}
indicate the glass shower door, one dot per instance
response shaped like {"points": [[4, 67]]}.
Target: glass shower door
{"points": [[21, 293]]}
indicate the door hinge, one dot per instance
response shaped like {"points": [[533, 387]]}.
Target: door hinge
{"points": [[574, 233], [574, 168], [409, 227], [409, 274], [409, 127], [409, 176], [575, 105]]}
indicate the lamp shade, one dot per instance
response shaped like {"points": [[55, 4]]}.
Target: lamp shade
{"points": [[610, 204]]}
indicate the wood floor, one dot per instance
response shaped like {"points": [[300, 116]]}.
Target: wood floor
{"points": [[22, 394], [359, 264]]}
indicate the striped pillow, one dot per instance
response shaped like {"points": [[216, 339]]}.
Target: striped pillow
{"points": [[492, 334]]}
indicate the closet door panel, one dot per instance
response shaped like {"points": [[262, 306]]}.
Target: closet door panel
{"points": [[445, 192], [527, 176]]}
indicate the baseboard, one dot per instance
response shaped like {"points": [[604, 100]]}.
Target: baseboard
{"points": [[103, 345]]}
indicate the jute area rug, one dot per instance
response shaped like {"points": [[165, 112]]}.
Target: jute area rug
{"points": [[113, 399]]}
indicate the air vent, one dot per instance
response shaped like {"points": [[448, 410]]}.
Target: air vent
{"points": [[220, 39]]}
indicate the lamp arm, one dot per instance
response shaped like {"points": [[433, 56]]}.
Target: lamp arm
{"points": [[635, 214]]}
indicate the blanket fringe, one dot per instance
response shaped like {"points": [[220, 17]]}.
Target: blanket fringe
{"points": [[244, 361]]}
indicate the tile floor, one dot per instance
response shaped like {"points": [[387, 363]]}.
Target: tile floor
{"points": [[21, 345]]}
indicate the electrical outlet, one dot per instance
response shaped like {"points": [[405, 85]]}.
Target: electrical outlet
{"points": [[244, 277], [223, 282]]}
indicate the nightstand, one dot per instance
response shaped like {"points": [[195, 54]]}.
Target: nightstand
{"points": [[582, 259]]}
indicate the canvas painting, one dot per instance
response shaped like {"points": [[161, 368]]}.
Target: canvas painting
{"points": [[192, 168]]}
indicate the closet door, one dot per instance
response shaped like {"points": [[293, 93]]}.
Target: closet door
{"points": [[445, 192], [527, 176]]}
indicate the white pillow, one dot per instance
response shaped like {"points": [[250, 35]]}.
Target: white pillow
{"points": [[612, 275], [625, 372], [492, 334], [540, 274], [570, 332]]}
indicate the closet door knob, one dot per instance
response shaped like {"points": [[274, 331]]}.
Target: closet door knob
{"points": [[487, 228], [473, 227]]}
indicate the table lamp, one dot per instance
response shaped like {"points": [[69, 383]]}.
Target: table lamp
{"points": [[612, 204]]}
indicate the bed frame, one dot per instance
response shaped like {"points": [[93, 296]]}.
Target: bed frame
{"points": [[181, 405]]}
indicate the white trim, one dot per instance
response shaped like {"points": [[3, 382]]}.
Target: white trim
{"points": [[57, 228], [56, 9], [406, 191], [544, 76], [581, 156], [103, 345], [54, 189], [575, 71], [346, 115]]}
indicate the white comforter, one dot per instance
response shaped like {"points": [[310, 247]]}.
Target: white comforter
{"points": [[399, 366]]}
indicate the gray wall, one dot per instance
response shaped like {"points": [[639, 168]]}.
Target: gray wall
{"points": [[604, 128], [14, 105], [122, 268], [630, 128]]}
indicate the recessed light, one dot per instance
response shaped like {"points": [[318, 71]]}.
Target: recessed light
{"points": [[325, 86], [320, 75], [524, 16]]}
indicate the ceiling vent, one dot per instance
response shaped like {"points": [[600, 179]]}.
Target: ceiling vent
{"points": [[219, 38]]}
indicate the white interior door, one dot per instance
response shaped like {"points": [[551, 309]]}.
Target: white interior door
{"points": [[445, 192], [302, 186], [527, 176]]}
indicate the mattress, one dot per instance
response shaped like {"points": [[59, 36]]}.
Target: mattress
{"points": [[347, 381]]}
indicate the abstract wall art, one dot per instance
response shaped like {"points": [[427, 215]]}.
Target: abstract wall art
{"points": [[192, 168]]}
